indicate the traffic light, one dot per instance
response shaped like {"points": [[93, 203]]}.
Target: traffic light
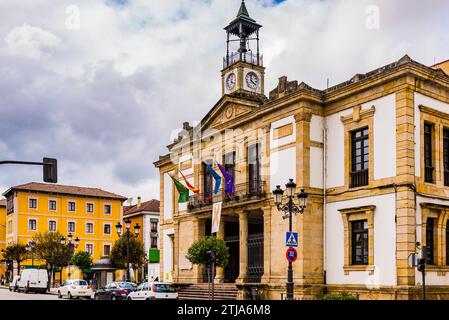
{"points": [[421, 264], [50, 170]]}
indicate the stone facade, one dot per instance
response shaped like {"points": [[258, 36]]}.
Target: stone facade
{"points": [[306, 134]]}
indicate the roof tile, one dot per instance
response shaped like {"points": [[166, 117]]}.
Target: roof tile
{"points": [[62, 189]]}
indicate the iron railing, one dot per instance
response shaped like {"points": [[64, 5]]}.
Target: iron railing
{"points": [[359, 178], [255, 257], [245, 57], [243, 192]]}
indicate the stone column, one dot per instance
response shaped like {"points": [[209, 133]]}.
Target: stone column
{"points": [[176, 251], [219, 277], [303, 118], [198, 233], [243, 254], [405, 169], [266, 245], [266, 151]]}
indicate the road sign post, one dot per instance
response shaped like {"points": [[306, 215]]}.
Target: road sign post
{"points": [[291, 255], [291, 239]]}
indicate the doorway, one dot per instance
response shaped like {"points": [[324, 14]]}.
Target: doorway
{"points": [[231, 272]]}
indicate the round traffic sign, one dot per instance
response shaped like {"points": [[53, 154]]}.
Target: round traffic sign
{"points": [[292, 254]]}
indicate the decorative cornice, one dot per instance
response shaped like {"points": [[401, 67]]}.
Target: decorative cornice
{"points": [[358, 114], [434, 112], [428, 205], [357, 209], [303, 115]]}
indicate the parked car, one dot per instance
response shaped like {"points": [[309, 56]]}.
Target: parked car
{"points": [[14, 284], [153, 291], [76, 288], [115, 291], [33, 280]]}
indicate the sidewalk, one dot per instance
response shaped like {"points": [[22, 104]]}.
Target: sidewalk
{"points": [[53, 291]]}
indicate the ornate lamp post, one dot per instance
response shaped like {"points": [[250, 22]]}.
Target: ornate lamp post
{"points": [[30, 248], [288, 209], [119, 227], [72, 247]]}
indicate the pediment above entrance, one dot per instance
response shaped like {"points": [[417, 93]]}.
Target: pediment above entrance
{"points": [[228, 113], [227, 110]]}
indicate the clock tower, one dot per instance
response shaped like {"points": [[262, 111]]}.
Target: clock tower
{"points": [[243, 70]]}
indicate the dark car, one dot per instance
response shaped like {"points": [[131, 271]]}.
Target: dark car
{"points": [[115, 291]]}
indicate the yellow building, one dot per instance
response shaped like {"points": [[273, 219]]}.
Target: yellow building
{"points": [[2, 233], [89, 214]]}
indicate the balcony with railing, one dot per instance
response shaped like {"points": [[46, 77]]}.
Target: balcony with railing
{"points": [[248, 57], [359, 178], [254, 190]]}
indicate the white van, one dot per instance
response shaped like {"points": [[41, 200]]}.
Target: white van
{"points": [[13, 284], [33, 280]]}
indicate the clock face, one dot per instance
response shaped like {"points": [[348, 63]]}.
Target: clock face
{"points": [[252, 80], [230, 81]]}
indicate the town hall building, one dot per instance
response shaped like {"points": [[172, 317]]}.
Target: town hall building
{"points": [[372, 153]]}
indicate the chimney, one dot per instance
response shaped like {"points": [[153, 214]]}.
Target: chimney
{"points": [[139, 202]]}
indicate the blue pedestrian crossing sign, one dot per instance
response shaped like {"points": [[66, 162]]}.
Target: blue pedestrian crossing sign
{"points": [[291, 239]]}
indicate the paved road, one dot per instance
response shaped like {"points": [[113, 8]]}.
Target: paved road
{"points": [[5, 294]]}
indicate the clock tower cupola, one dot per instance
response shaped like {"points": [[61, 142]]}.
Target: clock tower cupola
{"points": [[243, 69]]}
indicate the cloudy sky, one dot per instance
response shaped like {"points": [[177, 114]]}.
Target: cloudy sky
{"points": [[102, 84]]}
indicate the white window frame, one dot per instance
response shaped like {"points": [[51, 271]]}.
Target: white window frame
{"points": [[35, 219], [93, 247], [110, 249], [56, 223], [93, 227], [110, 229], [93, 207], [56, 201], [104, 209], [68, 205], [68, 222], [37, 204]]}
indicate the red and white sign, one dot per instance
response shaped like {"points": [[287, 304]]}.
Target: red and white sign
{"points": [[292, 254]]}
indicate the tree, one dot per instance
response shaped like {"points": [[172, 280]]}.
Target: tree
{"points": [[16, 252], [48, 247], [82, 260], [137, 252], [197, 253]]}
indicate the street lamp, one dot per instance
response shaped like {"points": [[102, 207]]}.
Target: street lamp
{"points": [[288, 210], [30, 248], [118, 227], [72, 247]]}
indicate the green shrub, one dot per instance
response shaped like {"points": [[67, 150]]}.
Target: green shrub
{"points": [[340, 296], [197, 253]]}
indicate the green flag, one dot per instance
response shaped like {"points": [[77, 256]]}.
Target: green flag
{"points": [[183, 191]]}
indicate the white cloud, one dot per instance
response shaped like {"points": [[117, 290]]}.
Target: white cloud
{"points": [[104, 98], [31, 41]]}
